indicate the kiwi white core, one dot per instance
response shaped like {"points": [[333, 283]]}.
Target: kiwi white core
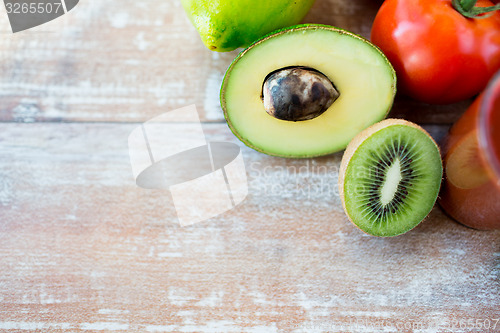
{"points": [[404, 181], [391, 182]]}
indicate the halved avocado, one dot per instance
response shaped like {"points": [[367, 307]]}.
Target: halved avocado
{"points": [[359, 71]]}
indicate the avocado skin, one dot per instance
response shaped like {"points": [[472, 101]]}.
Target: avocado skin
{"points": [[225, 25], [274, 34]]}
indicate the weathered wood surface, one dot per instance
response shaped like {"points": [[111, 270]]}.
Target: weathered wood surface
{"points": [[130, 60], [82, 248]]}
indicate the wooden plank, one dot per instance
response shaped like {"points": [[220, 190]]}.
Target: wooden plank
{"points": [[128, 61], [356, 16], [83, 249]]}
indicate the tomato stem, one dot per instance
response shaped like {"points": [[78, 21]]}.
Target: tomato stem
{"points": [[468, 8], [467, 4]]}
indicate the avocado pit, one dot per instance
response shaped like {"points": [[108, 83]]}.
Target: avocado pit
{"points": [[297, 93]]}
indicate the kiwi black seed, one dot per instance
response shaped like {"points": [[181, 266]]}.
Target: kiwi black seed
{"points": [[390, 177]]}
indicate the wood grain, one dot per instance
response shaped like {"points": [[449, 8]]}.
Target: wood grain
{"points": [[128, 61], [84, 249]]}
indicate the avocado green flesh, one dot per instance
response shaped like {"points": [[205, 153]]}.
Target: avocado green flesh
{"points": [[359, 71], [422, 157]]}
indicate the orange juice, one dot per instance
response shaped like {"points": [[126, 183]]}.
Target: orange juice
{"points": [[471, 154]]}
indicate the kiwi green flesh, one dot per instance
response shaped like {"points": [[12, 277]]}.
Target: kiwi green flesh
{"points": [[361, 73], [392, 181]]}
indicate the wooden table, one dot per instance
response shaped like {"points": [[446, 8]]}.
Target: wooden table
{"points": [[85, 249]]}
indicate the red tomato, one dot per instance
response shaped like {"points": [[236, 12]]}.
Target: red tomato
{"points": [[439, 55]]}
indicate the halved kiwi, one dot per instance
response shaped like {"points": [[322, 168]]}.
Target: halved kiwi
{"points": [[390, 177]]}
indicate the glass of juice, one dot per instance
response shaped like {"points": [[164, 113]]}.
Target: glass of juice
{"points": [[471, 154]]}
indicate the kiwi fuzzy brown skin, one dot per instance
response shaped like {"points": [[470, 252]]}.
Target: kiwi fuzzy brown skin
{"points": [[353, 146]]}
